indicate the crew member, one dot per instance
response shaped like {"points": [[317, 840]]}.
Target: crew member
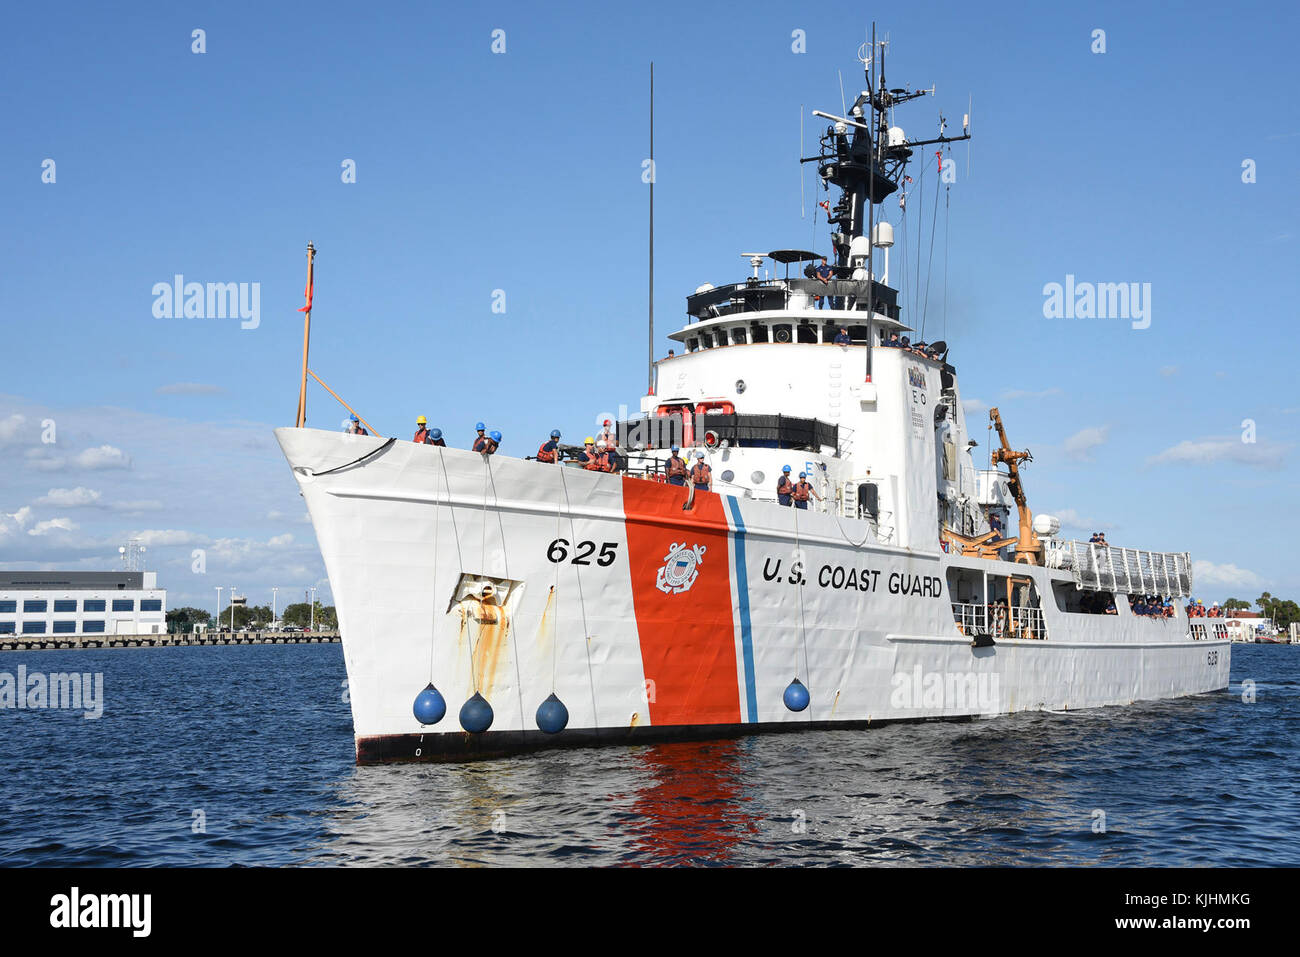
{"points": [[550, 451], [422, 431], [842, 338], [593, 459], [480, 439], [701, 474], [607, 436], [995, 524], [355, 427], [784, 487], [435, 438], [894, 342], [823, 273], [802, 491], [487, 444], [676, 468]]}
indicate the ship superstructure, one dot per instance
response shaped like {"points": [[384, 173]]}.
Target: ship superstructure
{"points": [[522, 605]]}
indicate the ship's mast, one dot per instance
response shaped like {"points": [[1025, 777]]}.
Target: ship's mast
{"points": [[859, 157]]}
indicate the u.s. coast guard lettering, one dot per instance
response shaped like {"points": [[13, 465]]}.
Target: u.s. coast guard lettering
{"points": [[681, 568], [858, 579]]}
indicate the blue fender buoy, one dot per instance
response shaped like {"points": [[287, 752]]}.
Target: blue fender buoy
{"points": [[796, 696], [429, 706], [552, 715], [476, 714]]}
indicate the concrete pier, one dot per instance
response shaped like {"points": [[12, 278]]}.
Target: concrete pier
{"points": [[48, 642]]}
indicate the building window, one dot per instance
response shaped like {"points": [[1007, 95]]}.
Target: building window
{"points": [[33, 628], [92, 627], [93, 604], [64, 627], [6, 627], [65, 604], [34, 604], [151, 604], [8, 606], [123, 604]]}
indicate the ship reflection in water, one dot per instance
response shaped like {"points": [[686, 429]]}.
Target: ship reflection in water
{"points": [[1086, 788]]}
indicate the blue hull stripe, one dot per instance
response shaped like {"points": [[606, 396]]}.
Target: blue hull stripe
{"points": [[742, 601]]}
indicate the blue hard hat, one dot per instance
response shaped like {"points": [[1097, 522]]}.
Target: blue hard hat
{"points": [[676, 449], [496, 436], [785, 468], [479, 426], [555, 433], [355, 419], [436, 433]]}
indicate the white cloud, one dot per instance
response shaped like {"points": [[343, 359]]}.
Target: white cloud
{"points": [[167, 536], [275, 515], [1208, 573], [70, 497], [1081, 444], [52, 525], [1168, 371], [974, 406], [44, 459], [280, 540], [11, 523], [1230, 449], [189, 388], [1069, 518], [11, 428], [102, 457]]}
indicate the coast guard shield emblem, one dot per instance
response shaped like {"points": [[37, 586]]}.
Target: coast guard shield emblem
{"points": [[681, 568]]}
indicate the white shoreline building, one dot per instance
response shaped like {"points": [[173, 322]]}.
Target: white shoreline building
{"points": [[82, 603]]}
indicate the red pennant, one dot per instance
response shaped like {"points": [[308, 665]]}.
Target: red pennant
{"points": [[307, 292]]}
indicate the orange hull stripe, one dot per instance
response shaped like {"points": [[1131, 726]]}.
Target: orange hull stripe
{"points": [[687, 637]]}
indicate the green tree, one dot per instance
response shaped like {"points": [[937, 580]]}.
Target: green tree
{"points": [[1236, 604], [299, 613], [182, 620]]}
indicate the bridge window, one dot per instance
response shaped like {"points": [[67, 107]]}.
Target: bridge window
{"points": [[760, 332], [692, 344], [807, 333], [738, 336]]}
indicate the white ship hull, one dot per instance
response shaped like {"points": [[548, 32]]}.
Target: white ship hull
{"points": [[669, 623]]}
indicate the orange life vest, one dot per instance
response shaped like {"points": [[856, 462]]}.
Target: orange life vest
{"points": [[784, 486], [801, 491], [700, 474], [421, 435], [595, 462], [676, 466], [544, 454]]}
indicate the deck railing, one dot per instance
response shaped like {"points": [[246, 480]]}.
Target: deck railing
{"points": [[996, 619], [1132, 571]]}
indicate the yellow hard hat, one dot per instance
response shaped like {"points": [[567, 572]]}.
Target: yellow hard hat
{"points": [[589, 441], [421, 420]]}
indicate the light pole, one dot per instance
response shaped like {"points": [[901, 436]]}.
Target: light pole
{"points": [[313, 607], [217, 616], [232, 609], [273, 614]]}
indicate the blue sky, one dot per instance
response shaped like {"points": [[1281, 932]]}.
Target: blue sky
{"points": [[521, 172]]}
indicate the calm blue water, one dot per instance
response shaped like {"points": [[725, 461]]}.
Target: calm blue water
{"points": [[258, 741]]}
